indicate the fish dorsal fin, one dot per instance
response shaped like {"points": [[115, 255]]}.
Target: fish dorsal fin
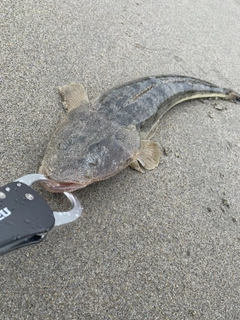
{"points": [[148, 157], [73, 95]]}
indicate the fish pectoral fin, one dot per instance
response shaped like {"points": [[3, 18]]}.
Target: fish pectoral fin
{"points": [[149, 154], [148, 157], [73, 95], [136, 166]]}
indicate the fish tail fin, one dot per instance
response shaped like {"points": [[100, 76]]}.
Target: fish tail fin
{"points": [[233, 96]]}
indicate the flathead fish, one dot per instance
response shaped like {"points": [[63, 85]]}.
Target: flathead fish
{"points": [[98, 139]]}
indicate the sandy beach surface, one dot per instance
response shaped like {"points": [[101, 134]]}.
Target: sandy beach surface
{"points": [[160, 245]]}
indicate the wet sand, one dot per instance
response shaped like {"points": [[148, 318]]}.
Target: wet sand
{"points": [[160, 245]]}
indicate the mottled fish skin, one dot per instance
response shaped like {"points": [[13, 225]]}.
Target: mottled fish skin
{"points": [[85, 148], [149, 98], [99, 139]]}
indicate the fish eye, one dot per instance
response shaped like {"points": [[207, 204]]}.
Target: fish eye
{"points": [[93, 160], [62, 145]]}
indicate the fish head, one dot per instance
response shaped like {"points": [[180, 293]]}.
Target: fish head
{"points": [[85, 149]]}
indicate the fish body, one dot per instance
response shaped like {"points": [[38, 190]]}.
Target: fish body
{"points": [[98, 139]]}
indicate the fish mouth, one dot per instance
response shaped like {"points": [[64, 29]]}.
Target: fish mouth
{"points": [[60, 187], [56, 186]]}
